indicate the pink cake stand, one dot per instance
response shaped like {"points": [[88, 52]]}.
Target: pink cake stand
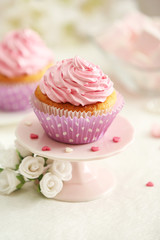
{"points": [[88, 180]]}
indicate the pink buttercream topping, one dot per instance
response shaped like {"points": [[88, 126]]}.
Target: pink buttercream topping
{"points": [[23, 52], [76, 81], [135, 39]]}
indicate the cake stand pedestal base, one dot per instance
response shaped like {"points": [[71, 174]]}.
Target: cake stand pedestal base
{"points": [[88, 183]]}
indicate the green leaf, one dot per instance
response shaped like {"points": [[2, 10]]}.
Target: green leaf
{"points": [[19, 186], [21, 158], [40, 177], [31, 179], [45, 161], [21, 179], [1, 169], [17, 167], [38, 188]]}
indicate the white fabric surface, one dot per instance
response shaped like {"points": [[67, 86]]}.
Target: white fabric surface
{"points": [[131, 211]]}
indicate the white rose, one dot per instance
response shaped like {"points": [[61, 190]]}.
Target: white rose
{"points": [[50, 185], [32, 167], [23, 151], [9, 158], [8, 181], [62, 169]]}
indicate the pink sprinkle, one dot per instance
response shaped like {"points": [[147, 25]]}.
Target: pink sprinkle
{"points": [[94, 149], [155, 130], [149, 184], [104, 77], [46, 148], [116, 139], [33, 136]]}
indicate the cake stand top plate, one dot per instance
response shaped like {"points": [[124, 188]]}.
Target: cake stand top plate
{"points": [[120, 127]]}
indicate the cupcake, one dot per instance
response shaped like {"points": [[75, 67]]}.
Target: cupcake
{"points": [[24, 58], [76, 102]]}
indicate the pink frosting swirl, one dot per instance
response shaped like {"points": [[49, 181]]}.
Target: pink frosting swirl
{"points": [[76, 81], [23, 52]]}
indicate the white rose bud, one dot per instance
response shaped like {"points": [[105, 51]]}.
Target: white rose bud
{"points": [[32, 167], [23, 151], [62, 169], [8, 181], [9, 158], [50, 185]]}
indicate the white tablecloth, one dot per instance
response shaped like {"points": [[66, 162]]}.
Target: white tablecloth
{"points": [[131, 211]]}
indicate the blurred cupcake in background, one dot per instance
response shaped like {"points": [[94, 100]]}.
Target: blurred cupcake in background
{"points": [[24, 58], [76, 102]]}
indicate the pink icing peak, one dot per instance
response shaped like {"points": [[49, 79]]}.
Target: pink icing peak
{"points": [[76, 81], [23, 52]]}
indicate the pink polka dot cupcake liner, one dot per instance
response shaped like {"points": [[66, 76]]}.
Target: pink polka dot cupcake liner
{"points": [[75, 127], [16, 97]]}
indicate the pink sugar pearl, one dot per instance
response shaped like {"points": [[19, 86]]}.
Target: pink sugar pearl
{"points": [[46, 148], [33, 136], [116, 139], [150, 184], [94, 149]]}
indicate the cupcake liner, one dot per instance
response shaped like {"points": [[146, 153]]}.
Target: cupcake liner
{"points": [[15, 97], [75, 127]]}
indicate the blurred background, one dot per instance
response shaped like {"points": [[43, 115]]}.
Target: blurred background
{"points": [[71, 27], [63, 22]]}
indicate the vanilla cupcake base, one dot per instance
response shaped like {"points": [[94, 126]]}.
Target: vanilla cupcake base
{"points": [[75, 127]]}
